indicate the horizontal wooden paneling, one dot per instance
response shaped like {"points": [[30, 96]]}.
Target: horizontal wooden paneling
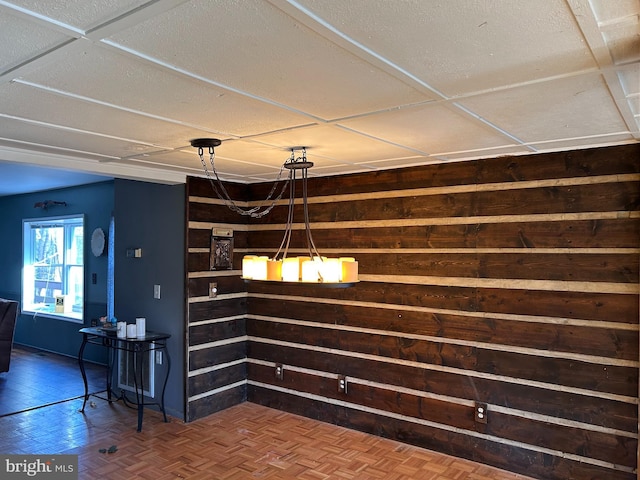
{"points": [[603, 233], [215, 379], [216, 402], [606, 307], [509, 281], [201, 187], [575, 164], [208, 358], [216, 333], [594, 341], [544, 266], [616, 380], [216, 309], [570, 438], [579, 406], [527, 201], [557, 306]]}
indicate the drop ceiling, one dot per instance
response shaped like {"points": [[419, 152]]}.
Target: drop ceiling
{"points": [[118, 88]]}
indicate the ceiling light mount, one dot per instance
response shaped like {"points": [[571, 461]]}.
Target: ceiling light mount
{"points": [[205, 142], [298, 163]]}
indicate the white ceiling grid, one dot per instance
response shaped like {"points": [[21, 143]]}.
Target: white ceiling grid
{"points": [[119, 87]]}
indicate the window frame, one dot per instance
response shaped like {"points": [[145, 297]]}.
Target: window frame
{"points": [[65, 266]]}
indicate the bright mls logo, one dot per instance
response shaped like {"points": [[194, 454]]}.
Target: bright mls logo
{"points": [[50, 467]]}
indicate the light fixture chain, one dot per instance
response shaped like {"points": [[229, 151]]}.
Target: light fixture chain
{"points": [[222, 193]]}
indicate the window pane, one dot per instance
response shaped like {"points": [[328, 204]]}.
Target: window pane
{"points": [[75, 285], [76, 237], [53, 267]]}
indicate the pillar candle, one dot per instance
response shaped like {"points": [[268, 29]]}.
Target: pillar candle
{"points": [[131, 330]]}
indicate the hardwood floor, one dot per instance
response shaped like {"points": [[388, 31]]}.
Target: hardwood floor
{"points": [[242, 442], [36, 378]]}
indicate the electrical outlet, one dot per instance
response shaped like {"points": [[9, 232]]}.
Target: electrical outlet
{"points": [[213, 290], [156, 292], [279, 371], [159, 357], [342, 384], [481, 412]]}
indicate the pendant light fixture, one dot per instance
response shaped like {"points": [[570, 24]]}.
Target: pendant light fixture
{"points": [[312, 268]]}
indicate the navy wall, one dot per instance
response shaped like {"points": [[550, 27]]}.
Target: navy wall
{"points": [[96, 202], [152, 217]]}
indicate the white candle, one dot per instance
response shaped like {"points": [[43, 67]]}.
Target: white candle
{"points": [[141, 326], [131, 330], [290, 269], [121, 329]]}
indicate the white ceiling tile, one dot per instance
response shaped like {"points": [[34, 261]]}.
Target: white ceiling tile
{"points": [[247, 157], [27, 39], [460, 46], [563, 108], [258, 50], [433, 129], [107, 76], [623, 43], [607, 11], [42, 138], [630, 80], [81, 14], [93, 120], [328, 143], [170, 160]]}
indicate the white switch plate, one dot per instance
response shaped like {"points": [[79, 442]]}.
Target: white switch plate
{"points": [[156, 291]]}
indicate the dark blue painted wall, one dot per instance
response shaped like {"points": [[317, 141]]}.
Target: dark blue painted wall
{"points": [[95, 201], [152, 217]]}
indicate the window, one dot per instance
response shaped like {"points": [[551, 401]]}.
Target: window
{"points": [[53, 267]]}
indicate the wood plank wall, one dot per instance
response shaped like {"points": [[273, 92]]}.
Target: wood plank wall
{"points": [[511, 282], [216, 368]]}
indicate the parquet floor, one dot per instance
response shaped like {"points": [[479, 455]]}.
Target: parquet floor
{"points": [[247, 441]]}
